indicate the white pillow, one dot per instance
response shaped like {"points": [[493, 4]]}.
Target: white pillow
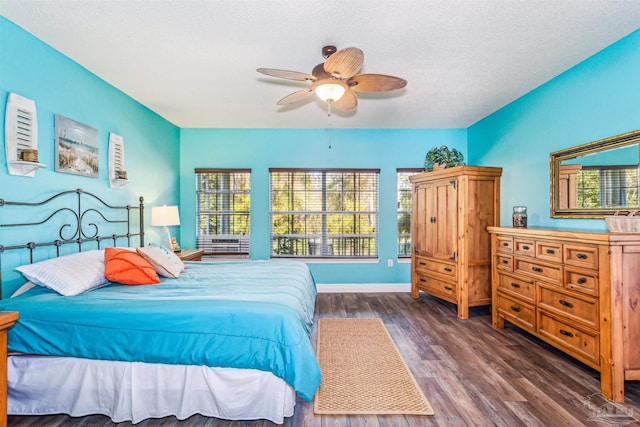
{"points": [[166, 263], [69, 274]]}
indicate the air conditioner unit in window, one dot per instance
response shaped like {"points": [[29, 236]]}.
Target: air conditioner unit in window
{"points": [[223, 244]]}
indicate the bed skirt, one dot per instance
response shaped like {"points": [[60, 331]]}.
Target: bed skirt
{"points": [[133, 391]]}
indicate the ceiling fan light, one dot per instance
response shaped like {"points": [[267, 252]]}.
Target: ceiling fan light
{"points": [[329, 90]]}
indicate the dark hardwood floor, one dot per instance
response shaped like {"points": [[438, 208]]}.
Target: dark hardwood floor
{"points": [[471, 374]]}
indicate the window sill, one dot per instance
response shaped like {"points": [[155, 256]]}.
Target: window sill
{"points": [[330, 260]]}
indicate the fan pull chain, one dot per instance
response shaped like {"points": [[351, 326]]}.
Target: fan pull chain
{"points": [[330, 125]]}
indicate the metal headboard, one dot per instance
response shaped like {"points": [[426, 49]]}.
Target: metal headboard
{"points": [[76, 229]]}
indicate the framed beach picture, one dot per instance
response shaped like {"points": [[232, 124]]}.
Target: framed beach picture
{"points": [[76, 147]]}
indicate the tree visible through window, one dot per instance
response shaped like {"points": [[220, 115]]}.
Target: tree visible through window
{"points": [[222, 214], [324, 213], [404, 210]]}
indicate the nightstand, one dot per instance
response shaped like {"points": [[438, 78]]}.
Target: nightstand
{"points": [[190, 254], [7, 319]]}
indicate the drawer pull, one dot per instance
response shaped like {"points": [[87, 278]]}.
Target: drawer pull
{"points": [[537, 269], [448, 270], [516, 309], [504, 261], [566, 333], [550, 251], [505, 243], [515, 285], [422, 263], [449, 288], [581, 256], [565, 303], [582, 281], [525, 247], [422, 280]]}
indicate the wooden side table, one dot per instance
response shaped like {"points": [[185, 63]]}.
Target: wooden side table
{"points": [[7, 319], [190, 254]]}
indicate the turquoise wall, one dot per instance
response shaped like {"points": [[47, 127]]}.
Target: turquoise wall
{"points": [[260, 149], [596, 99], [58, 85]]}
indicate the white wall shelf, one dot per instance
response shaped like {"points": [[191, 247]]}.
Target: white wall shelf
{"points": [[21, 134], [116, 161]]}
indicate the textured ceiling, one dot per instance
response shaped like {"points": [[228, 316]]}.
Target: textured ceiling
{"points": [[194, 62]]}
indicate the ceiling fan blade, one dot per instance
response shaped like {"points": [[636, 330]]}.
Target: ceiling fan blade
{"points": [[344, 63], [295, 97], [348, 102], [319, 72], [285, 74], [376, 83]]}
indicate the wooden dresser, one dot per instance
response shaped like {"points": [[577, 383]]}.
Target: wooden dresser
{"points": [[451, 246], [578, 291]]}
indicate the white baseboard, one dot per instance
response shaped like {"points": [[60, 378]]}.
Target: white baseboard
{"points": [[362, 287]]}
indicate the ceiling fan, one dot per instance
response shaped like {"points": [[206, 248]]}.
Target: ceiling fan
{"points": [[336, 80]]}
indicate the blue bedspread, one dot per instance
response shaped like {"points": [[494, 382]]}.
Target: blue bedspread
{"points": [[255, 314]]}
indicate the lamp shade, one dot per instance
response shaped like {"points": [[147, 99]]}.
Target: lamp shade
{"points": [[164, 216], [329, 90]]}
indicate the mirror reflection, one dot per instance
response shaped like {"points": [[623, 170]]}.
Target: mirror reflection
{"points": [[596, 179]]}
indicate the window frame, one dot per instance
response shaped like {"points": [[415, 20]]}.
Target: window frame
{"points": [[326, 245], [409, 212], [228, 244]]}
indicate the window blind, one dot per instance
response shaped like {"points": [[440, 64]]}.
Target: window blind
{"points": [[223, 211], [405, 206], [324, 213]]}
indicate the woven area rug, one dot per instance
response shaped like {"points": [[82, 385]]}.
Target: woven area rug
{"points": [[363, 371]]}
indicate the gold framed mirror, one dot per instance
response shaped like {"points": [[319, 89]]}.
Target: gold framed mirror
{"points": [[596, 179]]}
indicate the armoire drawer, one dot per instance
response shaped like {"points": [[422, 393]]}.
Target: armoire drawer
{"points": [[521, 288], [516, 312], [440, 268], [435, 286], [551, 273], [566, 305], [576, 342]]}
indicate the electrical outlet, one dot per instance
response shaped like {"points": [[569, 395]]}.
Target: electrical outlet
{"points": [[389, 262]]}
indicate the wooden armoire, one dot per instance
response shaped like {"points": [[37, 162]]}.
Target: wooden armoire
{"points": [[451, 257]]}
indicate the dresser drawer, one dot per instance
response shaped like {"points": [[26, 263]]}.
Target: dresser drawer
{"points": [[566, 305], [436, 287], [505, 244], [581, 256], [585, 281], [549, 251], [440, 268], [576, 342], [516, 312], [521, 288], [504, 262], [551, 273], [524, 247]]}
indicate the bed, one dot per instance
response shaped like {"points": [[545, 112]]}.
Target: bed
{"points": [[227, 340]]}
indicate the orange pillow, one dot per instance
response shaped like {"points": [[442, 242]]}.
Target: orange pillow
{"points": [[127, 267]]}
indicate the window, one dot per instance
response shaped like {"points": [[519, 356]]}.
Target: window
{"points": [[404, 210], [324, 213], [601, 187], [222, 213]]}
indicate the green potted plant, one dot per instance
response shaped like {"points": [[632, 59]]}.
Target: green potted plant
{"points": [[442, 157]]}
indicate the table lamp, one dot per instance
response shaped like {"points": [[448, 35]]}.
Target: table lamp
{"points": [[165, 216]]}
